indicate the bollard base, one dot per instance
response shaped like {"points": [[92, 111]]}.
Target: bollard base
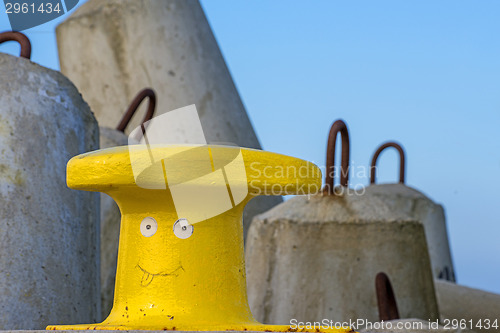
{"points": [[219, 328]]}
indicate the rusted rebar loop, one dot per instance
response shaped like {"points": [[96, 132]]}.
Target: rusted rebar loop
{"points": [[386, 300], [401, 161], [21, 39], [338, 126], [134, 105]]}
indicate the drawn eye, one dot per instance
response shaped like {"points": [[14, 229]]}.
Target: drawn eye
{"points": [[148, 227], [183, 229]]}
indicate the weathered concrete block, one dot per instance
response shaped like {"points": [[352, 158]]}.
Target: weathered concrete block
{"points": [[49, 234], [112, 49], [464, 303], [317, 258], [406, 200]]}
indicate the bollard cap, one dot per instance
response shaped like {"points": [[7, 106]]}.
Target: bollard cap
{"points": [[147, 167]]}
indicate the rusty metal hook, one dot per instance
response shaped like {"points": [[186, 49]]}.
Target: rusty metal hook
{"points": [[21, 39], [338, 126], [386, 300], [401, 161], [135, 104]]}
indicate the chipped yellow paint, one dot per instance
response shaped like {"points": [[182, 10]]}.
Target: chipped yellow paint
{"points": [[196, 284]]}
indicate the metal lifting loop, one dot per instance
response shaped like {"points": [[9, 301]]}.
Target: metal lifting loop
{"points": [[21, 39], [338, 126], [135, 104], [401, 161], [386, 300]]}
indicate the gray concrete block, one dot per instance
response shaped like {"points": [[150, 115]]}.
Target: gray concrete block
{"points": [[317, 258], [49, 234], [406, 200], [464, 303]]}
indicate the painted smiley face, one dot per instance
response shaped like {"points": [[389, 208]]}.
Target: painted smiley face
{"points": [[148, 227]]}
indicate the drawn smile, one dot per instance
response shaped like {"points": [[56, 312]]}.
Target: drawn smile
{"points": [[148, 277]]}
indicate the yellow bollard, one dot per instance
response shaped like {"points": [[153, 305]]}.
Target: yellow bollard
{"points": [[177, 272]]}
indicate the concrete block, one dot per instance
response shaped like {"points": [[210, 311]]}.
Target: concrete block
{"points": [[112, 49], [49, 234], [317, 258], [406, 200], [464, 303]]}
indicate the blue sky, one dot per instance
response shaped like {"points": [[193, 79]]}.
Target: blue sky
{"points": [[424, 73]]}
